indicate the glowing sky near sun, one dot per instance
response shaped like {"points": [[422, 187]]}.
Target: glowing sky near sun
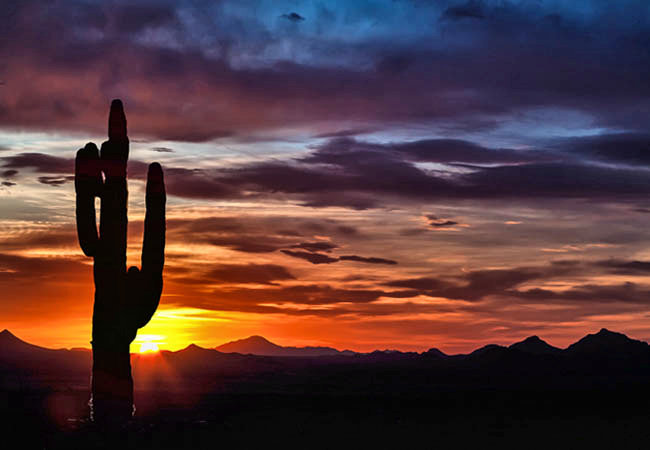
{"points": [[381, 174]]}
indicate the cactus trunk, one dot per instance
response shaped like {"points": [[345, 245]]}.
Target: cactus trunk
{"points": [[124, 301]]}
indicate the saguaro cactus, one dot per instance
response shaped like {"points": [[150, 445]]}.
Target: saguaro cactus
{"points": [[124, 300]]}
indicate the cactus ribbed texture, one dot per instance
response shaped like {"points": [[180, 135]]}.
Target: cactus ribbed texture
{"points": [[124, 300]]}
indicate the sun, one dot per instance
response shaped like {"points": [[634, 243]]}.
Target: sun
{"points": [[149, 342], [148, 347]]}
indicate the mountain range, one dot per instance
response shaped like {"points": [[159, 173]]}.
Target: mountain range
{"points": [[602, 375], [258, 365], [258, 345], [603, 343]]}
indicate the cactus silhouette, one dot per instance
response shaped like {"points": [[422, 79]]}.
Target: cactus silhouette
{"points": [[124, 300]]}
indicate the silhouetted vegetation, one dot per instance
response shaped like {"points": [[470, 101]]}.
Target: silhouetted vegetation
{"points": [[124, 301]]}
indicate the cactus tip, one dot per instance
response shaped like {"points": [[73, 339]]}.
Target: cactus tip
{"points": [[117, 121], [155, 179]]}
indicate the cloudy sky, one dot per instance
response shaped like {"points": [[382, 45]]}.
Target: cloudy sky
{"points": [[368, 174]]}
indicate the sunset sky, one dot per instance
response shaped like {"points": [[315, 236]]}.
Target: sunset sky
{"points": [[359, 174]]}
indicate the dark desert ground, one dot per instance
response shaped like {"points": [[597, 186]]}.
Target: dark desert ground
{"points": [[593, 394]]}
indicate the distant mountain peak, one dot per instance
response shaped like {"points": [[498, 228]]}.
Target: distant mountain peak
{"points": [[608, 342], [488, 349], [256, 338], [192, 347], [259, 345], [255, 345], [11, 342], [7, 336], [606, 332], [535, 345], [435, 352]]}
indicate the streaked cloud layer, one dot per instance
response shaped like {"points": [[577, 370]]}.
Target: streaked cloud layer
{"points": [[357, 174]]}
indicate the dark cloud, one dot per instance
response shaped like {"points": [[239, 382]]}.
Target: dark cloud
{"points": [[130, 18], [30, 270], [421, 284], [320, 246], [442, 223], [624, 148], [230, 232], [456, 150], [473, 9], [360, 175], [479, 284], [293, 17], [519, 57], [64, 167], [590, 294], [248, 273], [294, 233], [363, 259], [347, 230], [55, 180], [459, 74], [377, 174], [481, 292], [314, 258], [436, 222], [301, 295], [9, 173], [319, 258], [8, 183], [40, 162], [162, 149], [555, 180], [198, 184], [246, 244], [622, 267], [348, 151], [53, 237], [345, 133], [255, 234]]}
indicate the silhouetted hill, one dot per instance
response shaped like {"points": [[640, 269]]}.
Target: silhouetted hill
{"points": [[200, 393], [490, 349], [203, 395], [10, 344], [17, 355], [535, 346], [258, 345], [605, 357], [609, 344], [434, 352]]}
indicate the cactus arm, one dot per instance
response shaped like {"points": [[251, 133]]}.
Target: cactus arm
{"points": [[88, 185], [153, 247]]}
